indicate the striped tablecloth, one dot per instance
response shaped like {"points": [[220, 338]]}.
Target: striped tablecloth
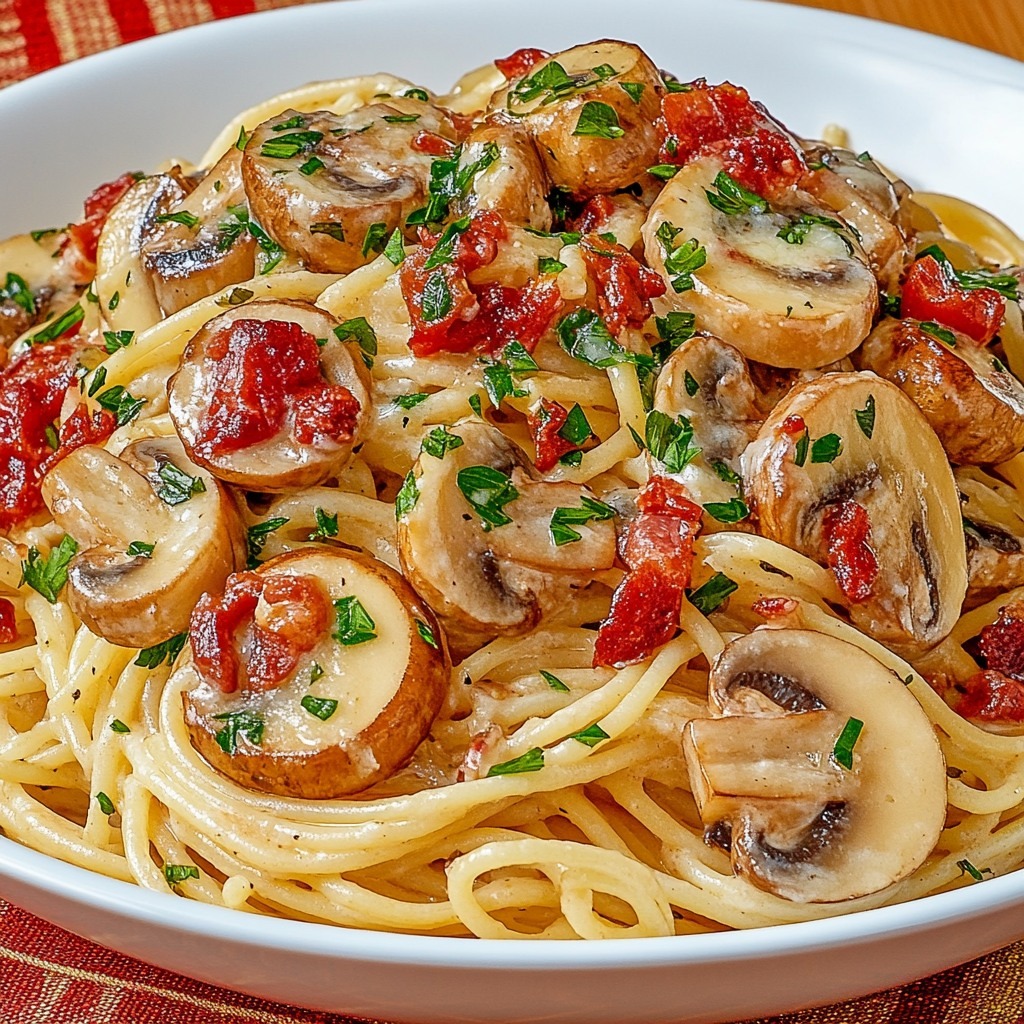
{"points": [[48, 976]]}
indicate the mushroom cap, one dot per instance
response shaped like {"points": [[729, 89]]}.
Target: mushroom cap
{"points": [[281, 462], [802, 825], [106, 503], [900, 475], [589, 164], [486, 583], [790, 305], [388, 691], [973, 403]]}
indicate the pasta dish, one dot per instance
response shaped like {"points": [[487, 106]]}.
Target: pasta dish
{"points": [[573, 506]]}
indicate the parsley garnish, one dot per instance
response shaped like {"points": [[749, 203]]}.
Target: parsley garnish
{"points": [[444, 249], [564, 519], [499, 384], [124, 405], [177, 485], [634, 90], [375, 238], [326, 525], [843, 750], [106, 804], [827, 448], [326, 227], [866, 417], [598, 120], [243, 139], [359, 330], [426, 633], [440, 441], [732, 199], [416, 94], [239, 723], [113, 340], [725, 472], [284, 147], [891, 304], [797, 229], [409, 401], [395, 249], [488, 491], [589, 737], [53, 330], [531, 761], [681, 261], [190, 220], [436, 298], [554, 682], [549, 265], [118, 726], [664, 171], [585, 336], [733, 511], [967, 868], [1006, 284], [235, 297], [175, 874], [690, 383], [800, 451], [311, 166], [353, 625], [408, 495], [710, 596], [668, 441], [673, 329], [168, 650], [576, 428], [47, 576], [257, 537], [319, 707], [938, 331], [298, 121], [315, 672], [475, 405], [16, 290], [449, 181], [139, 548]]}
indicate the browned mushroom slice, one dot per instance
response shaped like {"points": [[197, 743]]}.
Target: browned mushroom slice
{"points": [[202, 246], [993, 520], [787, 285], [511, 180], [154, 532], [820, 773], [267, 398], [479, 538], [969, 397], [847, 470], [591, 110], [314, 677], [330, 188]]}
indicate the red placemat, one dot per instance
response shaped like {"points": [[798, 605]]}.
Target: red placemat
{"points": [[48, 976]]}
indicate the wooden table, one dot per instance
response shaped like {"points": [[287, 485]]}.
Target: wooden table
{"points": [[992, 24]]}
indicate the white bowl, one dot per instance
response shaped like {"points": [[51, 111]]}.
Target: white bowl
{"points": [[944, 115]]}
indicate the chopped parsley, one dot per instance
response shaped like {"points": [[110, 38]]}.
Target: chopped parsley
{"points": [[326, 227], [408, 495], [725, 472], [488, 491], [476, 405], [589, 737], [681, 261], [938, 331], [139, 548], [673, 329], [113, 340], [168, 650], [554, 682], [585, 336], [1006, 284], [576, 428], [710, 595], [359, 330], [395, 249], [444, 249], [634, 90], [733, 511], [106, 804], [235, 297], [284, 147], [598, 120], [531, 761], [664, 171], [436, 298], [866, 417], [315, 672], [353, 624], [48, 575], [16, 290], [549, 265], [326, 524], [119, 727], [319, 707], [409, 401], [843, 750], [967, 868], [799, 227], [257, 536], [690, 383], [449, 181], [827, 448], [375, 238], [668, 440], [499, 384], [426, 634], [440, 441], [124, 405], [177, 486], [248, 724], [729, 197], [175, 874], [564, 519], [53, 330], [311, 166], [189, 220]]}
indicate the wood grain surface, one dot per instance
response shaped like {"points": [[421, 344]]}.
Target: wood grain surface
{"points": [[992, 24]]}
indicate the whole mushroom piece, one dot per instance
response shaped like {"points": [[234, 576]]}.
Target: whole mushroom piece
{"points": [[477, 542], [364, 675], [819, 773], [154, 532]]}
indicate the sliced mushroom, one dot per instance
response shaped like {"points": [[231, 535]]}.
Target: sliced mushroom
{"points": [[211, 399], [799, 303], [513, 182], [154, 532], [969, 397], [358, 699], [852, 441], [123, 284], [487, 580], [591, 110], [206, 248], [319, 182], [768, 776], [993, 520]]}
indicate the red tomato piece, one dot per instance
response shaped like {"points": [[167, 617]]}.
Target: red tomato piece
{"points": [[325, 410], [624, 286], [273, 619], [930, 294], [595, 216], [8, 625], [432, 144], [846, 529], [545, 423], [992, 697], [794, 426], [79, 429], [83, 237], [517, 64], [260, 367], [774, 607], [1002, 643]]}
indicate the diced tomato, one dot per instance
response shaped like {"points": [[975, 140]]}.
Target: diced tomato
{"points": [[8, 625], [659, 552], [624, 286], [519, 63], [272, 619], [261, 369], [774, 607], [992, 697], [83, 237], [432, 144], [794, 426], [449, 314], [32, 389], [1002, 643], [595, 216], [545, 422], [846, 529], [79, 429], [723, 120], [930, 294]]}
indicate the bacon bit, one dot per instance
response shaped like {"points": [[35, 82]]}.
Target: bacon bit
{"points": [[517, 64], [432, 144], [724, 121], [992, 697], [82, 238], [624, 286], [794, 426], [774, 607], [1002, 643], [261, 368], [545, 421], [846, 529], [8, 625], [929, 294], [595, 216], [273, 619], [79, 429], [485, 318], [659, 552], [32, 389]]}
